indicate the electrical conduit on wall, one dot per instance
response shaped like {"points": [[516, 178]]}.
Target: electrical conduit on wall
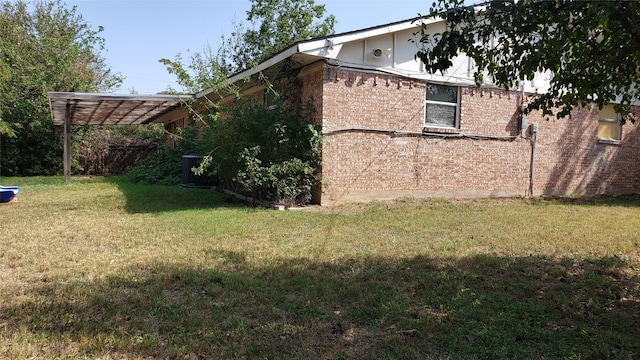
{"points": [[534, 137]]}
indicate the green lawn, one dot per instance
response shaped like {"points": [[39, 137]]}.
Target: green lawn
{"points": [[108, 269]]}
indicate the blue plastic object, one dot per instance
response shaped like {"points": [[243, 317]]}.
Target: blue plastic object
{"points": [[7, 193]]}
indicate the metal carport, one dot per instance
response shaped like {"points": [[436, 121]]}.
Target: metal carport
{"points": [[69, 109]]}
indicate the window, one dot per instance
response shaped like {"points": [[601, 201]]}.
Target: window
{"points": [[441, 106], [609, 124]]}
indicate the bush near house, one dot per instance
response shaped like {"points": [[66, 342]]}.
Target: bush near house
{"points": [[270, 153], [162, 168]]}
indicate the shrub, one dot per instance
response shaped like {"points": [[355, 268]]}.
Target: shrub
{"points": [[113, 149], [268, 153], [165, 167], [162, 168]]}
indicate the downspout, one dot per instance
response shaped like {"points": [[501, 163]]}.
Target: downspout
{"points": [[534, 137]]}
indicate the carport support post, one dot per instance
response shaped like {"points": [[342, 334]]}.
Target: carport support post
{"points": [[66, 161]]}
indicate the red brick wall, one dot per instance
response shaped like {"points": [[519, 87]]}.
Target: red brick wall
{"points": [[364, 160], [571, 160], [311, 79]]}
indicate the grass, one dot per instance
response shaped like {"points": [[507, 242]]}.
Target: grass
{"points": [[108, 269]]}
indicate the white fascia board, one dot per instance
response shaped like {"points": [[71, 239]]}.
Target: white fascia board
{"points": [[326, 49], [281, 56], [337, 40]]}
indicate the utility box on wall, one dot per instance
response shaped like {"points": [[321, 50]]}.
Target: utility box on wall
{"points": [[522, 122]]}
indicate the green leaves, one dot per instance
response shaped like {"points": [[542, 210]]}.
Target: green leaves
{"points": [[276, 25], [273, 26], [591, 48], [284, 22], [44, 47], [202, 72], [271, 153]]}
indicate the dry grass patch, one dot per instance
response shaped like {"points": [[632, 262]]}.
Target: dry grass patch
{"points": [[111, 270]]}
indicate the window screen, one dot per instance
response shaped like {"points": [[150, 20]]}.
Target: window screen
{"points": [[441, 105]]}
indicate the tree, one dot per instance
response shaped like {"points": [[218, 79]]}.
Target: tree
{"points": [[276, 24], [43, 47], [591, 48], [283, 23], [203, 71]]}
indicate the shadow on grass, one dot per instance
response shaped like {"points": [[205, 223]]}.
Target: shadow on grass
{"points": [[474, 307], [631, 200], [144, 198]]}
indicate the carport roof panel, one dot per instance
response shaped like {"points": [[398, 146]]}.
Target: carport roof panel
{"points": [[108, 109]]}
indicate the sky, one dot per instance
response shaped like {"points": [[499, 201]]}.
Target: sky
{"points": [[139, 33]]}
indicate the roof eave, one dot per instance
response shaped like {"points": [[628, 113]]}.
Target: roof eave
{"points": [[281, 56], [311, 47]]}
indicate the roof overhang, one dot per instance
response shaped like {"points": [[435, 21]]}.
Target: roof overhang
{"points": [[109, 109], [327, 48]]}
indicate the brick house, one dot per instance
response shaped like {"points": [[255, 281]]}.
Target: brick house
{"points": [[392, 130]]}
